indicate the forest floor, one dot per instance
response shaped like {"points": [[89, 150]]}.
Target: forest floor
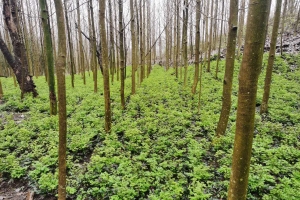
{"points": [[160, 147]]}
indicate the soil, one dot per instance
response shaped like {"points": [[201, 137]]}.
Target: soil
{"points": [[19, 190]]}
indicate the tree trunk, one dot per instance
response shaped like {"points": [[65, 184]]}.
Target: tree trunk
{"points": [[94, 49], [229, 68], [50, 59], [61, 89], [264, 104], [133, 47], [80, 45], [112, 43], [105, 66], [184, 40], [70, 46], [241, 29], [248, 77], [197, 46], [220, 42], [282, 25], [18, 63], [122, 64], [1, 90], [210, 35]]}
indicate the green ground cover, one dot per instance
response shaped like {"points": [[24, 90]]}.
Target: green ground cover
{"points": [[160, 147]]}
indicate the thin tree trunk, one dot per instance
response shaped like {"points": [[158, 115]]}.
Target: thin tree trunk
{"points": [[80, 45], [210, 35], [112, 44], [197, 46], [184, 40], [220, 42], [1, 90], [282, 25], [105, 65], [133, 47], [61, 89], [70, 45], [248, 77], [264, 104], [241, 29], [229, 68], [94, 49], [122, 64]]}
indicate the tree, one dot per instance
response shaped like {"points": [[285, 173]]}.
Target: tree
{"points": [[210, 35], [248, 77], [241, 28], [133, 47], [220, 42], [80, 45], [94, 48], [18, 62], [50, 59], [122, 64], [70, 45], [1, 90], [197, 46], [282, 25], [264, 104], [105, 65], [229, 68], [184, 39], [61, 88]]}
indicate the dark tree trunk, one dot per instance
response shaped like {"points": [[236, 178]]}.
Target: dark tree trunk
{"points": [[19, 62]]}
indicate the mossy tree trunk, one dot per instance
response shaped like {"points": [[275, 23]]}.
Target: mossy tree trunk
{"points": [[61, 88], [248, 77], [105, 65], [18, 62], [264, 104], [229, 68], [50, 59]]}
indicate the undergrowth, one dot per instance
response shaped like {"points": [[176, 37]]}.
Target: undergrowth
{"points": [[160, 147]]}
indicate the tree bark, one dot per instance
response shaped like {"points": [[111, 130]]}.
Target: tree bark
{"points": [[50, 59], [61, 88], [248, 77], [197, 46], [122, 64], [264, 104], [184, 40], [70, 45], [210, 35], [18, 63], [220, 42], [282, 25], [105, 65], [229, 68], [133, 47]]}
